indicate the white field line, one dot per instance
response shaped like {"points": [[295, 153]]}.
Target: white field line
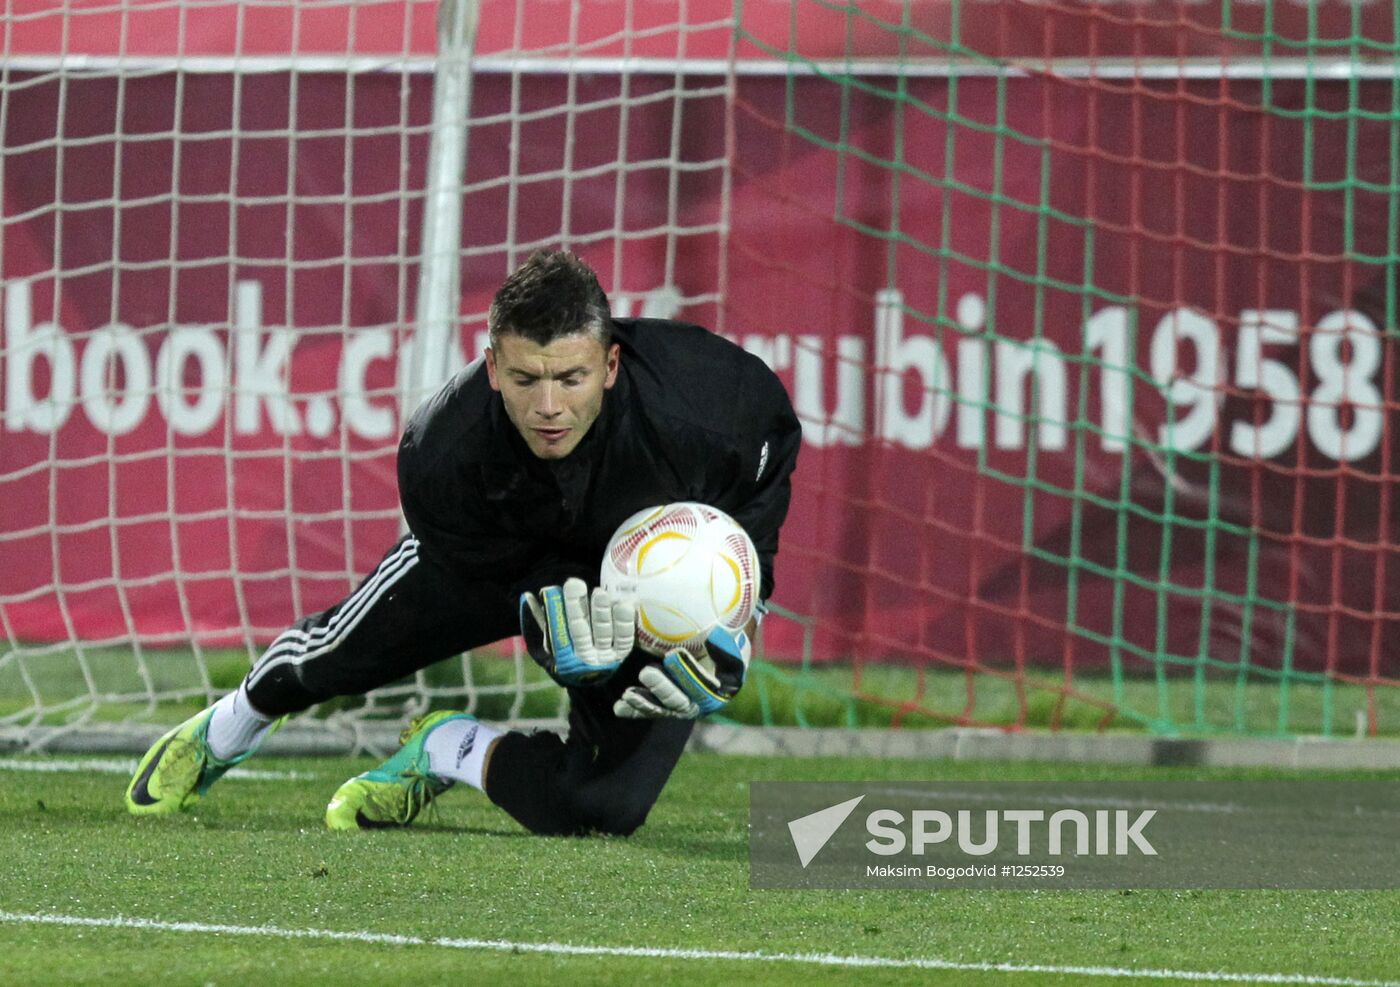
{"points": [[120, 766], [707, 955]]}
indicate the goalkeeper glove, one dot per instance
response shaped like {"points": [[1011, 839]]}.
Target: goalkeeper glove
{"points": [[686, 686], [575, 642]]}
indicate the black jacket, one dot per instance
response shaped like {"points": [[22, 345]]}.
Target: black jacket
{"points": [[691, 417]]}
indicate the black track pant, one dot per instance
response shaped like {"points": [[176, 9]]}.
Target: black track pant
{"points": [[409, 614]]}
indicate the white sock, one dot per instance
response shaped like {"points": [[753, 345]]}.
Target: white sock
{"points": [[457, 750], [236, 727]]}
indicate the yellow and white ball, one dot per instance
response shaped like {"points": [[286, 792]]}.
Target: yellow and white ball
{"points": [[688, 568]]}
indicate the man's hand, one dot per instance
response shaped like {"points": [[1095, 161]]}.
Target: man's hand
{"points": [[575, 642], [685, 685]]}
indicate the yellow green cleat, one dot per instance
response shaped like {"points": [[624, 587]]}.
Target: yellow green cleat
{"points": [[394, 793], [178, 769]]}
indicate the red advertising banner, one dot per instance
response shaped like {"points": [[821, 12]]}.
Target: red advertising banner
{"points": [[195, 442], [1233, 260]]}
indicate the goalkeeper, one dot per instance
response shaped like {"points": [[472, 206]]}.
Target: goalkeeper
{"points": [[512, 479]]}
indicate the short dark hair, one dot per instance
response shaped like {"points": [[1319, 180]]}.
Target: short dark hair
{"points": [[552, 294]]}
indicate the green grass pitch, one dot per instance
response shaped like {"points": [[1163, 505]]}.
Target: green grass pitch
{"points": [[255, 854]]}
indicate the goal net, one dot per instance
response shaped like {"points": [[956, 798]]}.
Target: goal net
{"points": [[1096, 357], [1086, 308], [213, 223]]}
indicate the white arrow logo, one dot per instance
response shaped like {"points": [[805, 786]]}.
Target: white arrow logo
{"points": [[811, 833]]}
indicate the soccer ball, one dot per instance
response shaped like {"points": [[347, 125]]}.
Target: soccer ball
{"points": [[688, 568]]}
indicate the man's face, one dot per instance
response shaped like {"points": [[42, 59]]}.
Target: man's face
{"points": [[552, 393]]}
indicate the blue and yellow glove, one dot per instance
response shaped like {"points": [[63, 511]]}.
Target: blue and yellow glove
{"points": [[686, 686], [575, 640]]}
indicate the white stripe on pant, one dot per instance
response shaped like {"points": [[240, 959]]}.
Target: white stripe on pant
{"points": [[294, 646]]}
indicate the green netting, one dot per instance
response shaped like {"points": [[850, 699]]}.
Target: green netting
{"points": [[1227, 175]]}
